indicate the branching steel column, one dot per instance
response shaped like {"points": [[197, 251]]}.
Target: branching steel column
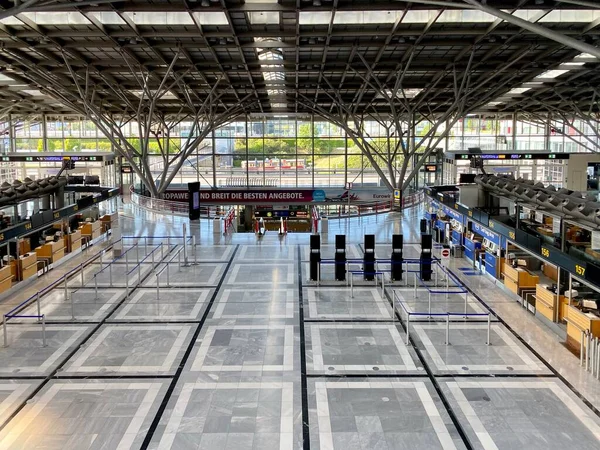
{"points": [[537, 29]]}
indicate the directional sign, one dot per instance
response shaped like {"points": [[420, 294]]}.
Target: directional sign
{"points": [[445, 253]]}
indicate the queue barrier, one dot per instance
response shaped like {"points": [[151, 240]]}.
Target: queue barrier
{"points": [[139, 268], [447, 315], [14, 312], [376, 274], [159, 273], [589, 355]]}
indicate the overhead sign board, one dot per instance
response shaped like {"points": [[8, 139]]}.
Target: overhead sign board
{"points": [[431, 168], [512, 156], [286, 196]]}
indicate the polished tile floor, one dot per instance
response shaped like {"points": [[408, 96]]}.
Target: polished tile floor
{"points": [[237, 349]]}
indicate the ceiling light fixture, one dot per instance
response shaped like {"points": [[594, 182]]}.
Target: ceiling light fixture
{"points": [[205, 3], [316, 2]]}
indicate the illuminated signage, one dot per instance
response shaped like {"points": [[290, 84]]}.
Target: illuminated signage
{"points": [[430, 167], [513, 156]]}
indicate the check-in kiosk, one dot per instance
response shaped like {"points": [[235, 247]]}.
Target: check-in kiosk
{"points": [[369, 257], [315, 256], [396, 258], [426, 246], [340, 257]]}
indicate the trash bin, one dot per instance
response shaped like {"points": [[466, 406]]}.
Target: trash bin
{"points": [[217, 225], [456, 251], [324, 225]]}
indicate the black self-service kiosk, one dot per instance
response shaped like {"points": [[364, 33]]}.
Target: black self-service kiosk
{"points": [[340, 257], [396, 258], [426, 246], [369, 257], [315, 256]]}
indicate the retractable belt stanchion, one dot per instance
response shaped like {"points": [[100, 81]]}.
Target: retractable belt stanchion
{"points": [[369, 258], [340, 257], [396, 257], [426, 246], [315, 256]]}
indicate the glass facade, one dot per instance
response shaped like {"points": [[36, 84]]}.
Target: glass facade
{"points": [[290, 151]]}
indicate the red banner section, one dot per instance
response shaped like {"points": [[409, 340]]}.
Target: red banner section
{"points": [[279, 196]]}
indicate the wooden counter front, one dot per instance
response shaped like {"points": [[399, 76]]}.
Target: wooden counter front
{"points": [[73, 241], [52, 250], [92, 229], [5, 278], [578, 321], [518, 278], [27, 266], [546, 303]]}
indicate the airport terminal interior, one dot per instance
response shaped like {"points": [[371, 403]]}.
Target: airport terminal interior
{"points": [[300, 224]]}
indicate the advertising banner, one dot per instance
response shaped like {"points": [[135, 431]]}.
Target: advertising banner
{"points": [[284, 196]]}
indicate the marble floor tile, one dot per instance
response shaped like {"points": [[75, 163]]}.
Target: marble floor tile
{"points": [[261, 273], [131, 349], [240, 415], [367, 303], [85, 415], [533, 414], [275, 303], [26, 355], [260, 348], [171, 305], [251, 253], [388, 414], [87, 305], [196, 275], [12, 394], [468, 352], [357, 349]]}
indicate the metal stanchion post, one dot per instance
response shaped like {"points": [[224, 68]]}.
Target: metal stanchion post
{"points": [[4, 331], [194, 249], [139, 274], [581, 348], [168, 282], [179, 260], [145, 244], [448, 329], [447, 286], [72, 305], [415, 274], [436, 277], [127, 261], [598, 361], [587, 351], [43, 330], [429, 304], [152, 252], [407, 329], [110, 274], [352, 285], [127, 285], [393, 306], [489, 342], [137, 252], [81, 269], [466, 296], [96, 285], [37, 300], [157, 286], [66, 290]]}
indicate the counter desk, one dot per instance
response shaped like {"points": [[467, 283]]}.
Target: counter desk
{"points": [[578, 321], [518, 278]]}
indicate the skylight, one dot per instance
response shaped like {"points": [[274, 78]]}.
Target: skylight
{"points": [[315, 18], [108, 18], [5, 78], [403, 93], [33, 92], [264, 18], [365, 17], [160, 18], [517, 91], [56, 18], [270, 57], [551, 74], [211, 18], [166, 96]]}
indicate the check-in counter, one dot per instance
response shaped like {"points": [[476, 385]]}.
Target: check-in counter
{"points": [[52, 251], [493, 264], [27, 266], [546, 305], [91, 230], [471, 248], [5, 278], [578, 321], [73, 241], [108, 220], [518, 278]]}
